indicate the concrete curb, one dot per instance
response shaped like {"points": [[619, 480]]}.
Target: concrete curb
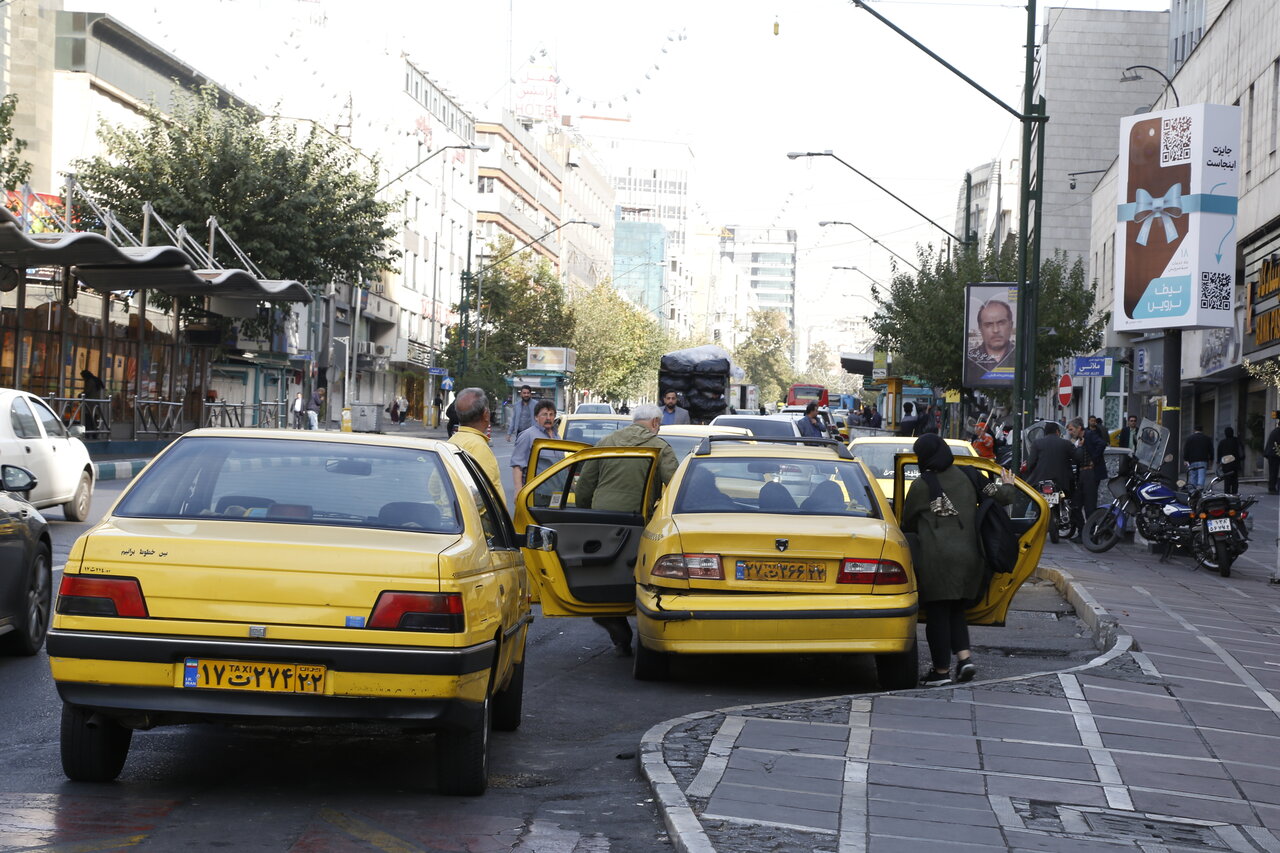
{"points": [[1094, 615], [124, 469]]}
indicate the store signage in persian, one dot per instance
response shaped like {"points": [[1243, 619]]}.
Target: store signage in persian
{"points": [[1179, 172]]}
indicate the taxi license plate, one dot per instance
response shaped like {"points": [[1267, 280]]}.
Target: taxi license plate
{"points": [[1219, 525], [759, 570], [252, 675], [1051, 498]]}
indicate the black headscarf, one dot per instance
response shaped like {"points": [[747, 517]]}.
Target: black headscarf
{"points": [[934, 456]]}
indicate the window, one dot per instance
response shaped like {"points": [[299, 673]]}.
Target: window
{"points": [[777, 486], [485, 185], [24, 422], [52, 423], [498, 532]]}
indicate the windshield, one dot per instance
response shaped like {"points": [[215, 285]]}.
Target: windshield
{"points": [[595, 409], [590, 431], [781, 486], [879, 457], [758, 425], [296, 481]]}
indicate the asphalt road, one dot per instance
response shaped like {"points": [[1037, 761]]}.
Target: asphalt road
{"points": [[568, 780]]}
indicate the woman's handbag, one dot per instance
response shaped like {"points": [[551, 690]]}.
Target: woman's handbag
{"points": [[996, 535]]}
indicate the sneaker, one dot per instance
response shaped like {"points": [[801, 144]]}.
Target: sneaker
{"points": [[965, 670], [933, 678]]}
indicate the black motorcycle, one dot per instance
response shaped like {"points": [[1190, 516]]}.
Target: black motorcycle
{"points": [[1220, 534], [1062, 523], [1146, 501]]}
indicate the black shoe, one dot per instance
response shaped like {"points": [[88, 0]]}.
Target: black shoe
{"points": [[933, 678], [622, 650], [965, 670]]}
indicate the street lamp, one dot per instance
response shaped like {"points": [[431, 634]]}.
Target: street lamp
{"points": [[469, 146], [1074, 175], [792, 155], [855, 269], [1131, 76], [824, 223]]}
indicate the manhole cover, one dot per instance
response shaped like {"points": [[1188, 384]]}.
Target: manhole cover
{"points": [[1144, 831], [1138, 828]]}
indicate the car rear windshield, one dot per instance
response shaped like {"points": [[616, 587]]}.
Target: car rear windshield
{"points": [[591, 431], [297, 481], [781, 486], [759, 426], [879, 458]]}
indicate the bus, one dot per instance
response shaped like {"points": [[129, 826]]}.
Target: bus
{"points": [[801, 395]]}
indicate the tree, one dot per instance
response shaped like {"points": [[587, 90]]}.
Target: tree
{"points": [[14, 171], [765, 356], [298, 205], [921, 318], [818, 366], [619, 346]]}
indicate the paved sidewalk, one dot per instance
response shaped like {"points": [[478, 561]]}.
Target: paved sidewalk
{"points": [[1169, 741]]}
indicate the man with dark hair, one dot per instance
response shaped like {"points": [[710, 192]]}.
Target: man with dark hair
{"points": [[671, 413], [907, 426], [995, 324], [1051, 458], [521, 413], [1197, 453], [1128, 437], [1095, 468], [473, 434], [544, 415], [808, 425]]}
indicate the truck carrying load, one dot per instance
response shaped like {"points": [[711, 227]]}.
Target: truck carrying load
{"points": [[700, 377]]}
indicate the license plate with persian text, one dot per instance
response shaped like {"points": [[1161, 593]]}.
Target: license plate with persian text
{"points": [[768, 570], [253, 675]]}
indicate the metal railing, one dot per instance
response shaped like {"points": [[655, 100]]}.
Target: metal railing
{"points": [[269, 414], [156, 418], [91, 413]]}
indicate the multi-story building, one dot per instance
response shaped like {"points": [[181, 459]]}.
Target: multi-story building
{"points": [[640, 266], [585, 253], [519, 190], [992, 196], [757, 271]]}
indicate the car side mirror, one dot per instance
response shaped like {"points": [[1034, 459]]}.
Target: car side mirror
{"points": [[76, 431], [539, 538], [17, 479]]}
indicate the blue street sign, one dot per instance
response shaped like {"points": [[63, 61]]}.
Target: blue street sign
{"points": [[438, 371], [447, 384], [1092, 365]]}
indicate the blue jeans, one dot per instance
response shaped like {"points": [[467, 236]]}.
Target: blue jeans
{"points": [[1195, 473]]}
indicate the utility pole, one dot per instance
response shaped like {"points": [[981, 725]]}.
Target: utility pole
{"points": [[466, 303]]}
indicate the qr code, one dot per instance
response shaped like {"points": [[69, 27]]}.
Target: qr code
{"points": [[1175, 140], [1215, 290]]}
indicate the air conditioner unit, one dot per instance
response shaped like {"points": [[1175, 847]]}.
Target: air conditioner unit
{"points": [[379, 349], [364, 347]]}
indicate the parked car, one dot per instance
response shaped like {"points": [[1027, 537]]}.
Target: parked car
{"points": [[825, 421], [757, 546], [878, 453], [685, 438], [594, 409], [588, 429], [779, 426], [291, 577], [26, 579], [32, 436]]}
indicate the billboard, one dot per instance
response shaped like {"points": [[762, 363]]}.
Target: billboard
{"points": [[558, 359], [1175, 225], [991, 312]]}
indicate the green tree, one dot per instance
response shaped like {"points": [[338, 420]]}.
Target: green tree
{"points": [[921, 317], [765, 356], [619, 346], [14, 171], [515, 305], [299, 205]]}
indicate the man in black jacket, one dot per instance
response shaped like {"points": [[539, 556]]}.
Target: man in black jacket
{"points": [[1271, 450], [1051, 458], [1197, 453]]}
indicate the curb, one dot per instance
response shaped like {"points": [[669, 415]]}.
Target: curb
{"points": [[125, 469], [1091, 613]]}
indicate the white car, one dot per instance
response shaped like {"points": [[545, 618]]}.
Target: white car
{"points": [[32, 436], [594, 409]]}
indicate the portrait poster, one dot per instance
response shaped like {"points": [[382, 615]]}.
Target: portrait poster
{"points": [[991, 312]]}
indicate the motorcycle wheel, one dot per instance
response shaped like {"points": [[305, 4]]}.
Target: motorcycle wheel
{"points": [[1225, 557], [1054, 523], [1066, 526], [1100, 533], [1205, 552]]}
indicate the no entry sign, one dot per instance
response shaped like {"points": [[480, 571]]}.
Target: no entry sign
{"points": [[1064, 390]]}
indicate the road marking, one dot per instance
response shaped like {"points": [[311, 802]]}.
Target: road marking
{"points": [[713, 766], [1104, 764], [384, 841], [853, 800]]}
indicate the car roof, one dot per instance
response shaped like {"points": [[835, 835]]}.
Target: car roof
{"points": [[906, 440], [762, 447], [328, 436], [597, 416], [701, 430]]}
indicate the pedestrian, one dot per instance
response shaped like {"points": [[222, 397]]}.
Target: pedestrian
{"points": [[1053, 458], [672, 413], [404, 408], [393, 410], [1094, 443], [941, 509], [1197, 453], [451, 418], [314, 405], [472, 406], [1271, 451], [907, 426], [1128, 437], [808, 425], [544, 415], [94, 393], [875, 420], [618, 485], [299, 410], [522, 415], [1231, 461], [982, 440]]}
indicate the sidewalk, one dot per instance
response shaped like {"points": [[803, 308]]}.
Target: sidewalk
{"points": [[1168, 741], [126, 468]]}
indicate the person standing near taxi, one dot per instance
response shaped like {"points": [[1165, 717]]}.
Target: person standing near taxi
{"points": [[521, 414], [982, 442], [544, 415], [473, 434], [941, 509]]}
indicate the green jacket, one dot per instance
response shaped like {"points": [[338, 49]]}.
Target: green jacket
{"points": [[946, 555], [618, 484]]}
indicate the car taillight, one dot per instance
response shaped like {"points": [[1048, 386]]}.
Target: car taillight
{"points": [[883, 572], [441, 612], [689, 566], [98, 596]]}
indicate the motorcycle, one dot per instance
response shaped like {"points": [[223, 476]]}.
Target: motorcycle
{"points": [[1145, 501], [1220, 533], [1061, 514]]}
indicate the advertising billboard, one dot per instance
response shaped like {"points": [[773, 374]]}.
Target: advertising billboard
{"points": [[1178, 172], [991, 312]]}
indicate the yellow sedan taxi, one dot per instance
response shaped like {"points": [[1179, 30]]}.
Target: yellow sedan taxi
{"points": [[878, 453], [279, 576], [766, 546]]}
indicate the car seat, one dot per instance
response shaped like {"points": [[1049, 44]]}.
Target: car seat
{"points": [[410, 514], [826, 497], [774, 497]]}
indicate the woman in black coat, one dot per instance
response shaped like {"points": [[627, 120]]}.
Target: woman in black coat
{"points": [[1231, 461]]}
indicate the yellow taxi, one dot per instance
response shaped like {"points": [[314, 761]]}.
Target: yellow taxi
{"points": [[685, 438], [878, 453], [756, 547], [281, 576], [589, 428]]}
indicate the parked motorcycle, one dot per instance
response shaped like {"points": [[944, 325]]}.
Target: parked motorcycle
{"points": [[1061, 514], [1219, 531], [1146, 501]]}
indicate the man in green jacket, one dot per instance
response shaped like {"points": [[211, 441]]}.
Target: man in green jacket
{"points": [[618, 485]]}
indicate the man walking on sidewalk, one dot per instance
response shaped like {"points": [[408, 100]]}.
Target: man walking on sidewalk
{"points": [[1197, 453], [521, 413]]}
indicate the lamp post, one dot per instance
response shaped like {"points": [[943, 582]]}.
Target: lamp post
{"points": [[468, 146], [824, 223], [874, 281], [468, 277], [1131, 76]]}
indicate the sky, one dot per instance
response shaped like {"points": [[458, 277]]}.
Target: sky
{"points": [[709, 72]]}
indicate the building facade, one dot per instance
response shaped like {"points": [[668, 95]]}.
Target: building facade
{"points": [[757, 272]]}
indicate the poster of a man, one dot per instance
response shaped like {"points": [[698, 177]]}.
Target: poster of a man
{"points": [[989, 335]]}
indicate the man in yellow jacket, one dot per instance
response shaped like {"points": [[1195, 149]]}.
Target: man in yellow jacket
{"points": [[472, 436]]}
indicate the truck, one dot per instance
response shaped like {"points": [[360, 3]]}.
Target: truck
{"points": [[744, 398], [700, 376]]}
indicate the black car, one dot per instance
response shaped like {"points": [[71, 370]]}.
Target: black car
{"points": [[26, 574]]}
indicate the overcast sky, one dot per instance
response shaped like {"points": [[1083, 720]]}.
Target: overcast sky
{"points": [[832, 78]]}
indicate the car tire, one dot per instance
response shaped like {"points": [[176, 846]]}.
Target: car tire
{"points": [[650, 665], [462, 756], [94, 747], [77, 509], [508, 703], [899, 670], [37, 601]]}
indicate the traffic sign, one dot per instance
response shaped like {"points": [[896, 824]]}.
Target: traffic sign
{"points": [[1093, 365], [438, 371], [1065, 386], [447, 383]]}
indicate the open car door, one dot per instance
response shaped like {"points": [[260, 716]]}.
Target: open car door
{"points": [[586, 566], [1029, 514]]}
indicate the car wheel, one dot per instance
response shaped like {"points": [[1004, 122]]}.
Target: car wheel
{"points": [[33, 621], [94, 747], [899, 670], [650, 665], [508, 703], [462, 756], [77, 509]]}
